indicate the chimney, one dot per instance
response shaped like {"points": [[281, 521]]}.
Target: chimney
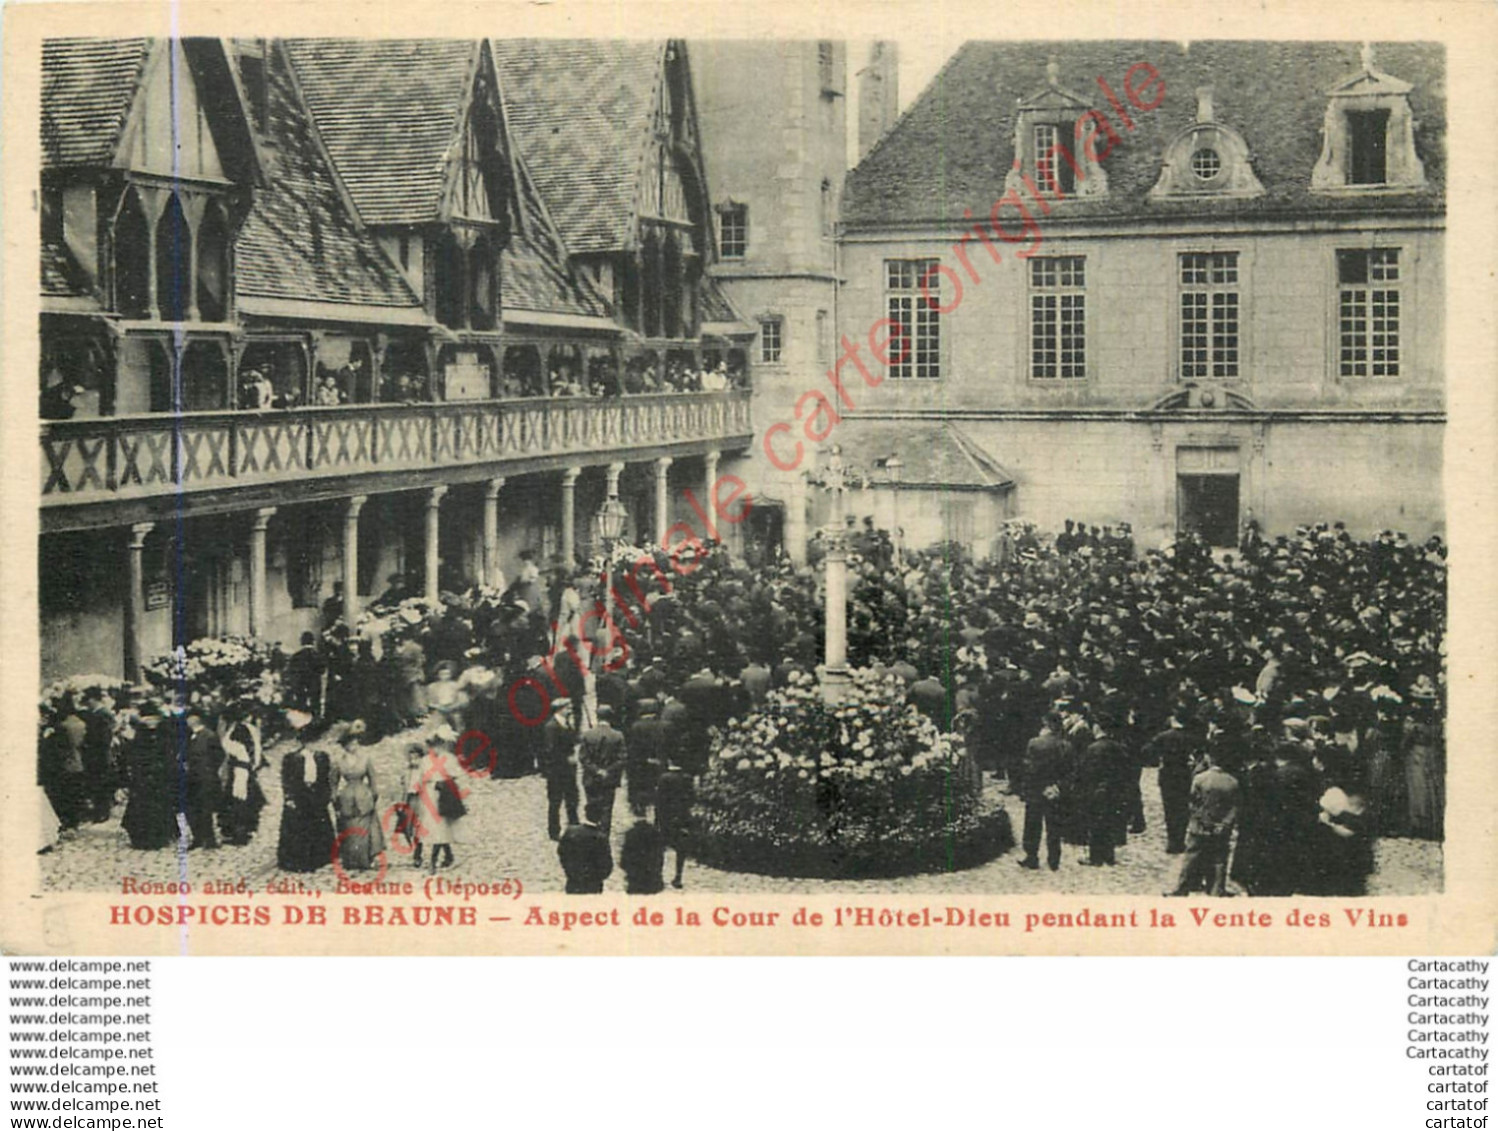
{"points": [[878, 95]]}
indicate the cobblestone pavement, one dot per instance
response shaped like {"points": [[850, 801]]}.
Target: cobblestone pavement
{"points": [[504, 837]]}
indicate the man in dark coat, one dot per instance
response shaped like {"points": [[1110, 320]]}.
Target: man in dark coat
{"points": [[559, 765], [1103, 790], [601, 755], [642, 859], [1214, 812], [201, 761], [675, 796], [304, 672], [585, 856], [645, 755], [98, 763], [1047, 776], [1174, 750]]}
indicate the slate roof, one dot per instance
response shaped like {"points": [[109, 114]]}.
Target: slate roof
{"points": [[388, 112], [87, 88], [535, 271], [581, 113], [300, 241], [933, 454], [951, 150]]}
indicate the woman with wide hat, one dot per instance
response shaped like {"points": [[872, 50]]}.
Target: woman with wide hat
{"points": [[306, 841]]}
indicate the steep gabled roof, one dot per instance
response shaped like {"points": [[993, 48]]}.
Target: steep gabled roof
{"points": [[87, 89], [952, 149], [581, 113], [301, 242], [389, 112], [537, 275]]}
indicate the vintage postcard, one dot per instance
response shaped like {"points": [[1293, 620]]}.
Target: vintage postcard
{"points": [[598, 478]]}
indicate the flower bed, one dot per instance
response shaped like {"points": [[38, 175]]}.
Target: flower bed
{"points": [[215, 672], [864, 788]]}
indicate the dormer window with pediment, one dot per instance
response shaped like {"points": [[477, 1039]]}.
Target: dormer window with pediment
{"points": [[1368, 138], [1207, 159], [1059, 143]]}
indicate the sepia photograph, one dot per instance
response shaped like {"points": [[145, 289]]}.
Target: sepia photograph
{"points": [[478, 468]]}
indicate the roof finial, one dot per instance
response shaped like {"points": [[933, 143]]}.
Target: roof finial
{"points": [[1053, 72], [1204, 104], [1367, 54]]}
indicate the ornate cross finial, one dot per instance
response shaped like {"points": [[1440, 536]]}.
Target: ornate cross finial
{"points": [[1367, 56], [1053, 71], [1204, 109]]}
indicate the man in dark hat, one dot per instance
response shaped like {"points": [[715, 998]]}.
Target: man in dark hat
{"points": [[1209, 834], [645, 754], [642, 859], [601, 756], [1047, 775], [585, 856], [559, 765], [201, 761], [1103, 777], [1174, 750]]}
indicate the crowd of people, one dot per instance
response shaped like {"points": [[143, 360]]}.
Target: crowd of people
{"points": [[1289, 695]]}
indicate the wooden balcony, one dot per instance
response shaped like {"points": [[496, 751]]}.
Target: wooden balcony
{"points": [[289, 453]]}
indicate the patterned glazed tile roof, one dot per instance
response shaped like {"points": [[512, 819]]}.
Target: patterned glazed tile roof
{"points": [[536, 273], [387, 110], [301, 242], [87, 89], [952, 149], [581, 113]]}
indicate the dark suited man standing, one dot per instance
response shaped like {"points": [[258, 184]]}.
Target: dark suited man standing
{"points": [[601, 754], [1174, 750], [1048, 772], [1214, 813], [201, 761], [559, 765]]}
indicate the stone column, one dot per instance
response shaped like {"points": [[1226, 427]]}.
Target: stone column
{"points": [[709, 478], [493, 575], [434, 518], [569, 516], [135, 599], [614, 470], [259, 617], [351, 557], [662, 499]]}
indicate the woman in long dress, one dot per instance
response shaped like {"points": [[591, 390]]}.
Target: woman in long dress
{"points": [[306, 842], [439, 803], [1425, 763], [356, 802], [241, 797], [150, 819]]}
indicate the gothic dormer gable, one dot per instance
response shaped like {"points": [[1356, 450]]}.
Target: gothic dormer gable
{"points": [[1207, 159], [1368, 135], [1059, 143], [478, 176]]}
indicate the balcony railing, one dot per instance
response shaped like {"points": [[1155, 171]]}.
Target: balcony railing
{"points": [[104, 458]]}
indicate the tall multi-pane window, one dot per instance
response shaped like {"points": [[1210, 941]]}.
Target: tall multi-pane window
{"points": [[1053, 172], [1209, 315], [912, 294], [1368, 312], [733, 231], [771, 339], [1058, 318]]}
